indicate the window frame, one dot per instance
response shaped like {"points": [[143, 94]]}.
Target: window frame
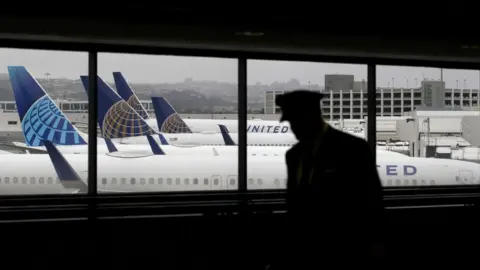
{"points": [[93, 49]]}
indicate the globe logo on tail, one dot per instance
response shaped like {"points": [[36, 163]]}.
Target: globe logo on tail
{"points": [[44, 121], [122, 121], [174, 124]]}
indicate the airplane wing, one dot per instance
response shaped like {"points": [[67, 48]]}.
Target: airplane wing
{"points": [[24, 147]]}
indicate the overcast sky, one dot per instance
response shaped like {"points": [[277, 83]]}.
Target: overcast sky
{"points": [[155, 69]]}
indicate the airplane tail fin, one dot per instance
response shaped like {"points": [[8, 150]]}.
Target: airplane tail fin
{"points": [[168, 119], [226, 136], [66, 174], [41, 119], [115, 117], [127, 93]]}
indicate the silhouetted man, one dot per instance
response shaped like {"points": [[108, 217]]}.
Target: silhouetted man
{"points": [[334, 194]]}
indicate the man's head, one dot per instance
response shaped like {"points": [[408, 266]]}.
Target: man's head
{"points": [[302, 109]]}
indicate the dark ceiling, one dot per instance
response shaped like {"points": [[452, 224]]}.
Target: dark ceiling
{"points": [[441, 33]]}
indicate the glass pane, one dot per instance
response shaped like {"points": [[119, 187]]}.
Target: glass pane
{"points": [[427, 126], [343, 107], [162, 116], [36, 89]]}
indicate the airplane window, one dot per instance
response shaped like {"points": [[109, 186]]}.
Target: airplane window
{"points": [[32, 180], [277, 182], [414, 182], [424, 183], [124, 181], [457, 178], [195, 181], [205, 181], [160, 181], [177, 181], [114, 181], [104, 181], [250, 181], [397, 182], [142, 181], [0, 179], [50, 180], [24, 180], [41, 180], [259, 181], [406, 182], [215, 181], [15, 180], [151, 181], [169, 181], [186, 181], [132, 181], [7, 180], [57, 181], [432, 182], [232, 181]]}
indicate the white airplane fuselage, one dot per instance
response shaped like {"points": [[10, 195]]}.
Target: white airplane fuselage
{"points": [[181, 173]]}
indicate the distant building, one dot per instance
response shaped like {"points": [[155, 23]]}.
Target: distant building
{"points": [[337, 82], [352, 103]]}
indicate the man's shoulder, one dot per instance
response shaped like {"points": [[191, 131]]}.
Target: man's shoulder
{"points": [[292, 151]]}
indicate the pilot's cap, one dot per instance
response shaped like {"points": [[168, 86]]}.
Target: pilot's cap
{"points": [[298, 102]]}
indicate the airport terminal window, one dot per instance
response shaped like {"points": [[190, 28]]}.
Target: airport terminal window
{"points": [[432, 122], [343, 84], [38, 78], [184, 93]]}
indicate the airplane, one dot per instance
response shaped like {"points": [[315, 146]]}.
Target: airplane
{"points": [[67, 173], [29, 94], [25, 86], [170, 122], [115, 115]]}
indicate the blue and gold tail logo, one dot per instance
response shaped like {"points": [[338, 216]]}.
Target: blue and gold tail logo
{"points": [[122, 121], [137, 106], [44, 121], [174, 124]]}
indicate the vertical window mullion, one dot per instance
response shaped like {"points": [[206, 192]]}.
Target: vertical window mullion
{"points": [[242, 124], [92, 123], [372, 108]]}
